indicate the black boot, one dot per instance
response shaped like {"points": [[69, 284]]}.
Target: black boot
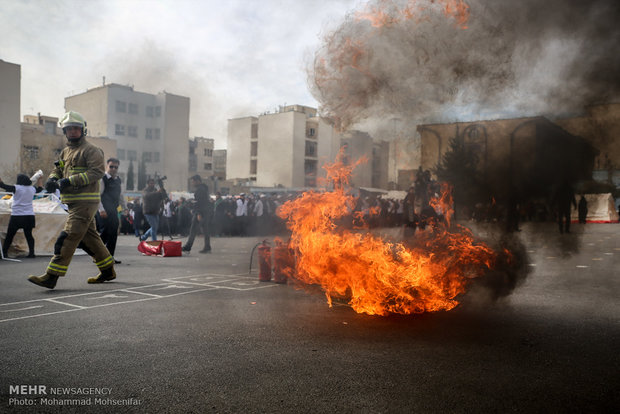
{"points": [[46, 280], [104, 276]]}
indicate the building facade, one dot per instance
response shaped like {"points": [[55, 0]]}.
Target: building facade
{"points": [[10, 100], [219, 164], [600, 125], [201, 157], [149, 129], [283, 149], [356, 146], [512, 157]]}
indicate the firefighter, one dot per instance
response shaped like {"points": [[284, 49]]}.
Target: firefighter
{"points": [[77, 175]]}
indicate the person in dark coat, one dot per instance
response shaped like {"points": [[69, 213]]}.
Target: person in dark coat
{"points": [[409, 214], [108, 209], [202, 214], [219, 215], [564, 197], [582, 208], [153, 199]]}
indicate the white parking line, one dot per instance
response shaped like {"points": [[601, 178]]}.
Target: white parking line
{"points": [[143, 293], [187, 287], [82, 308], [21, 309], [173, 287], [108, 296], [66, 304]]}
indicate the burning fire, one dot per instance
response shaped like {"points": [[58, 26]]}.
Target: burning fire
{"points": [[378, 277], [388, 13]]}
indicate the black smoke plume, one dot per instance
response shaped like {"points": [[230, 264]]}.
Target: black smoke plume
{"points": [[509, 58]]}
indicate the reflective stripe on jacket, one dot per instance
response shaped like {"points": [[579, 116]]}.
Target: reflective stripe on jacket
{"points": [[83, 164]]}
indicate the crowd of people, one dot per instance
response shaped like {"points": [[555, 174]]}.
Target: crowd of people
{"points": [[239, 215], [255, 214]]}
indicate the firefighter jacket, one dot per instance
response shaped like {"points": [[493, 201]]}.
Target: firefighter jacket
{"points": [[82, 163]]}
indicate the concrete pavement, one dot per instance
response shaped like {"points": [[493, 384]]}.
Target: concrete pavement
{"points": [[198, 334]]}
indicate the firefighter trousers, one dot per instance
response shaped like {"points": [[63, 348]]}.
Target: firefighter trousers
{"points": [[79, 231]]}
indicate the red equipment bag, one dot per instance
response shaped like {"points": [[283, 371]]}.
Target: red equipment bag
{"points": [[171, 248], [166, 248], [150, 248]]}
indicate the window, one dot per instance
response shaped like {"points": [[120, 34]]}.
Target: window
{"points": [[310, 173], [208, 152], [132, 131], [50, 128], [121, 106], [254, 149], [31, 152], [119, 129], [253, 167], [311, 149], [156, 157], [146, 157], [156, 133], [157, 111], [132, 155], [133, 108], [310, 167], [120, 153], [254, 131], [208, 166], [148, 134], [149, 111], [311, 132]]}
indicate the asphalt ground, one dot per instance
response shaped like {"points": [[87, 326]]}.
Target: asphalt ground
{"points": [[197, 334]]}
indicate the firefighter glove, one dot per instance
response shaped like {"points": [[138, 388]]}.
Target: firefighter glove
{"points": [[51, 185], [63, 183]]}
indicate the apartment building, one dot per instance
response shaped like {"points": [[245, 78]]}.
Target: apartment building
{"points": [[10, 89], [150, 129], [219, 164], [201, 157], [287, 148]]}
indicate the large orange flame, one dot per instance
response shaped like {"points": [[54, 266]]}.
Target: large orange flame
{"points": [[387, 13], [378, 277]]}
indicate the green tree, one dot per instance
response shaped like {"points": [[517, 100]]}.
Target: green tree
{"points": [[129, 183], [141, 175], [459, 167]]}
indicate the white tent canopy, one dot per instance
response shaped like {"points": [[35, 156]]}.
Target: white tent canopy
{"points": [[50, 217], [601, 209]]}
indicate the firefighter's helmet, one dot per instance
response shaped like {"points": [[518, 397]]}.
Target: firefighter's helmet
{"points": [[73, 118]]}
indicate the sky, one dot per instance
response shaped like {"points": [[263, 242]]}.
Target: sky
{"points": [[232, 58]]}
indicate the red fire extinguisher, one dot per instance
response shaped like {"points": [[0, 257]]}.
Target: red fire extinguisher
{"points": [[264, 262], [283, 263]]}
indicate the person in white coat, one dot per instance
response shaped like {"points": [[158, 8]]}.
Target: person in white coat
{"points": [[22, 211]]}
